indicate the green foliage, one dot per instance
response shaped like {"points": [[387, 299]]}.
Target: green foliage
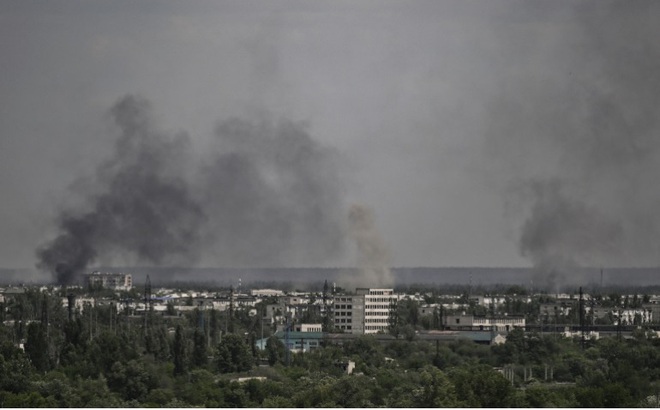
{"points": [[179, 352], [36, 347], [481, 386], [200, 354], [132, 380], [98, 359], [15, 370], [437, 390], [275, 350], [233, 355]]}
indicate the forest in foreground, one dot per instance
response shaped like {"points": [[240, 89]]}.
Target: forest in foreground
{"points": [[100, 359]]}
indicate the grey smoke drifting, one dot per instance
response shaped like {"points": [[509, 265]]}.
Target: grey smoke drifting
{"points": [[372, 252], [275, 195], [577, 141], [562, 234], [266, 195]]}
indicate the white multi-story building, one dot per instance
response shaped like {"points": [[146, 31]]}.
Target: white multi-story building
{"points": [[368, 311], [378, 304], [115, 281]]}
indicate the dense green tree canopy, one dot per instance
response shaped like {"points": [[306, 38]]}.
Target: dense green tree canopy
{"points": [[101, 357]]}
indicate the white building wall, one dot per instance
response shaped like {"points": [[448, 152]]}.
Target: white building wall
{"points": [[377, 307], [366, 312], [309, 327]]}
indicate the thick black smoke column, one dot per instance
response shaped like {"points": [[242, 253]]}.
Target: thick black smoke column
{"points": [[264, 194], [142, 205], [69, 253]]}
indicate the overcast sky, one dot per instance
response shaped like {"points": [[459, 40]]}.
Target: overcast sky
{"points": [[408, 92]]}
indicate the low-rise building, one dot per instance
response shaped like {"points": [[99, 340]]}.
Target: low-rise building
{"points": [[654, 309], [296, 341], [470, 322], [308, 327], [263, 293]]}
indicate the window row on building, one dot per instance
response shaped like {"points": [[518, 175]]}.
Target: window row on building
{"points": [[370, 320], [375, 329], [378, 313], [379, 306], [387, 301]]}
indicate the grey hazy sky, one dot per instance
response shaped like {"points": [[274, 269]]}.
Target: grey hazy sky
{"points": [[435, 104]]}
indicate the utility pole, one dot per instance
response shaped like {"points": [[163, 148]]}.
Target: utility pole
{"points": [[230, 328], [469, 293], [90, 320], [112, 309], [263, 310], [326, 317], [581, 307], [286, 340], [147, 303], [44, 315], [442, 318]]}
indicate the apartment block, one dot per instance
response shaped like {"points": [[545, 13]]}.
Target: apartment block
{"points": [[365, 312]]}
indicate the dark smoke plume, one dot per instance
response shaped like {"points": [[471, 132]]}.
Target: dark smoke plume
{"points": [[579, 138], [143, 207], [268, 195], [562, 234], [275, 195]]}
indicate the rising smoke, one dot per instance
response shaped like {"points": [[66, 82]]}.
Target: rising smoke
{"points": [[275, 195], [577, 143], [267, 195], [372, 252]]}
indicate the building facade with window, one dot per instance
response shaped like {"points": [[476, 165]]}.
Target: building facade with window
{"points": [[115, 281], [365, 312]]}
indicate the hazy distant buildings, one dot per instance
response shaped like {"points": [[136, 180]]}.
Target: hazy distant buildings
{"points": [[114, 281], [266, 293]]}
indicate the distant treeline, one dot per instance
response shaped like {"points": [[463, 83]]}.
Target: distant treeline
{"points": [[313, 278]]}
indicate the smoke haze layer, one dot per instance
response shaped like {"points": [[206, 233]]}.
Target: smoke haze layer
{"points": [[275, 195], [373, 254], [576, 139], [264, 195]]}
